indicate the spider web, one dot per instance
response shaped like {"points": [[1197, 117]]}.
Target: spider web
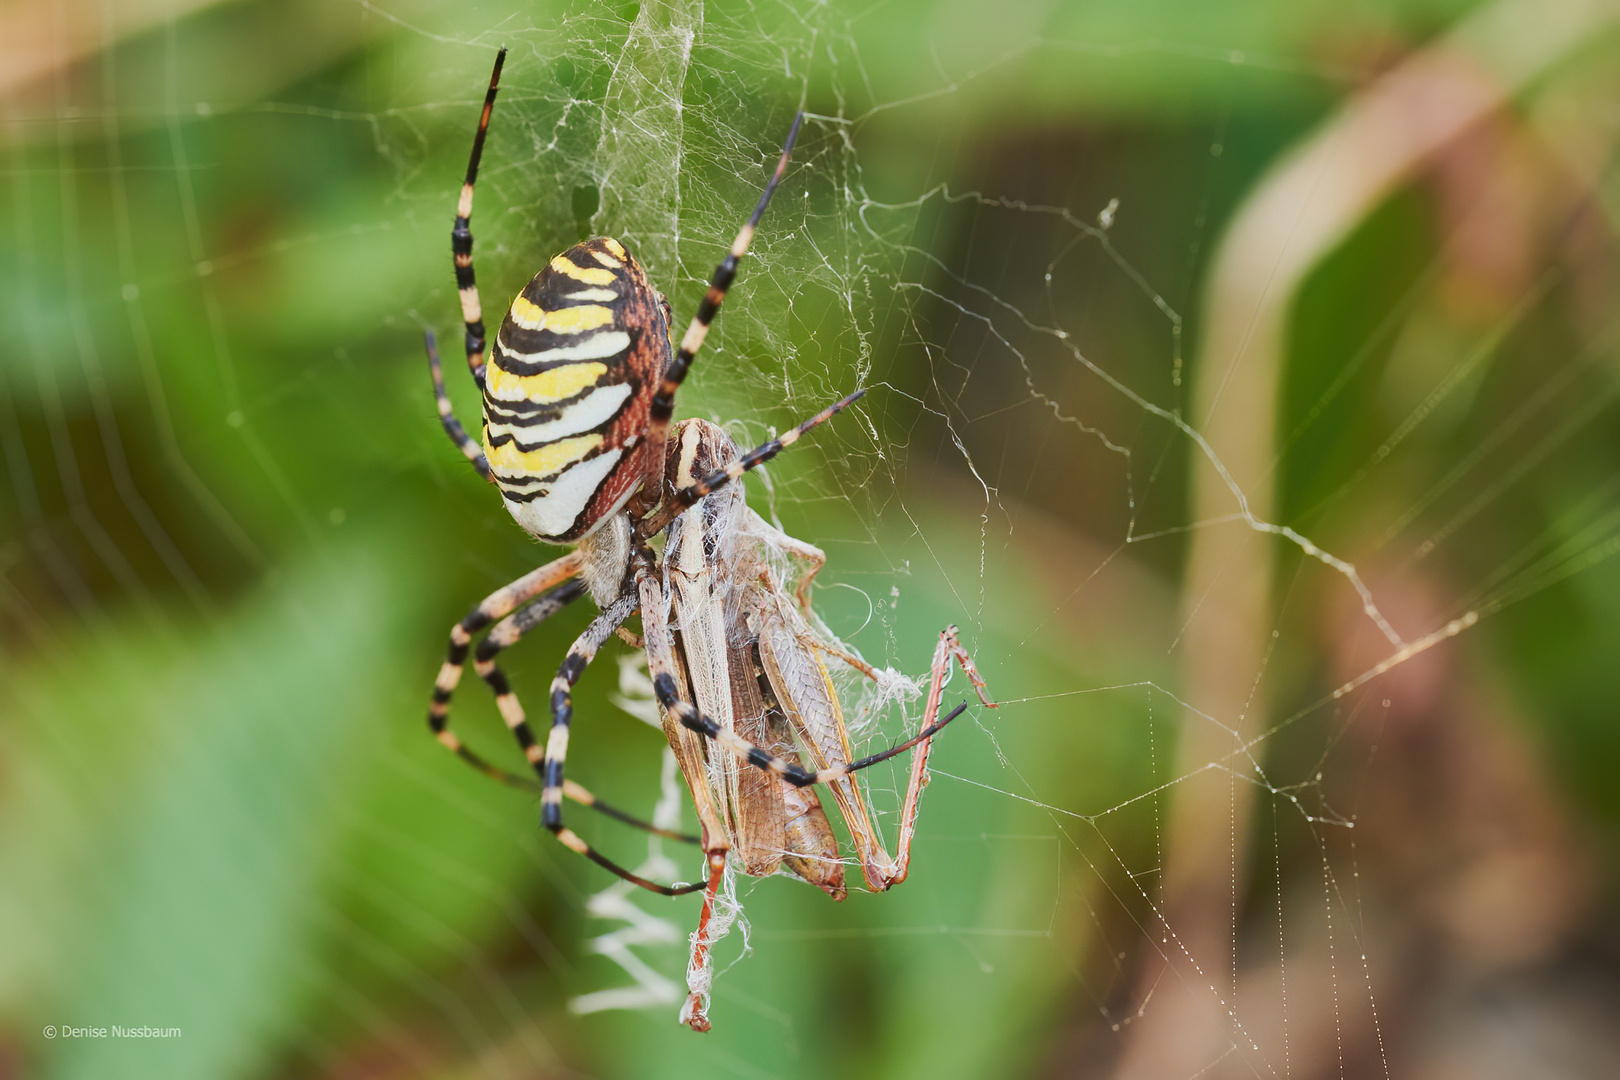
{"points": [[1280, 645]]}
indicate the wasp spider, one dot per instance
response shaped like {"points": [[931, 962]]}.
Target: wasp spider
{"points": [[578, 392]]}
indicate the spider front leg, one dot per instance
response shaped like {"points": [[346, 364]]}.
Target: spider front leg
{"points": [[688, 497], [553, 761], [663, 403]]}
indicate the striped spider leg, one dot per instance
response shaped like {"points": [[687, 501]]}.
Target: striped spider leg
{"points": [[536, 597], [737, 666], [527, 602], [551, 760]]}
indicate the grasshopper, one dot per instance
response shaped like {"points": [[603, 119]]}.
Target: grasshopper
{"points": [[745, 653]]}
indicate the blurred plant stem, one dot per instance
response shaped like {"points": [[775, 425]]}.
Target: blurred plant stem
{"points": [[120, 61], [41, 38], [1298, 213]]}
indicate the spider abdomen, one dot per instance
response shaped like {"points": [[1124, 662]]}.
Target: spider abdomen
{"points": [[568, 387]]}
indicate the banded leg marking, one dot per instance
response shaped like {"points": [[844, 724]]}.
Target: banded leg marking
{"points": [[580, 795], [506, 634], [447, 417], [461, 240], [554, 758], [688, 496], [660, 662], [497, 605], [663, 402]]}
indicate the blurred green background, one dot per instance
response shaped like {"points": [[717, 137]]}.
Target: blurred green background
{"points": [[232, 537]]}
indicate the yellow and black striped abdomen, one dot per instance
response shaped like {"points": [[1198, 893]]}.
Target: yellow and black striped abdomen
{"points": [[567, 391]]}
